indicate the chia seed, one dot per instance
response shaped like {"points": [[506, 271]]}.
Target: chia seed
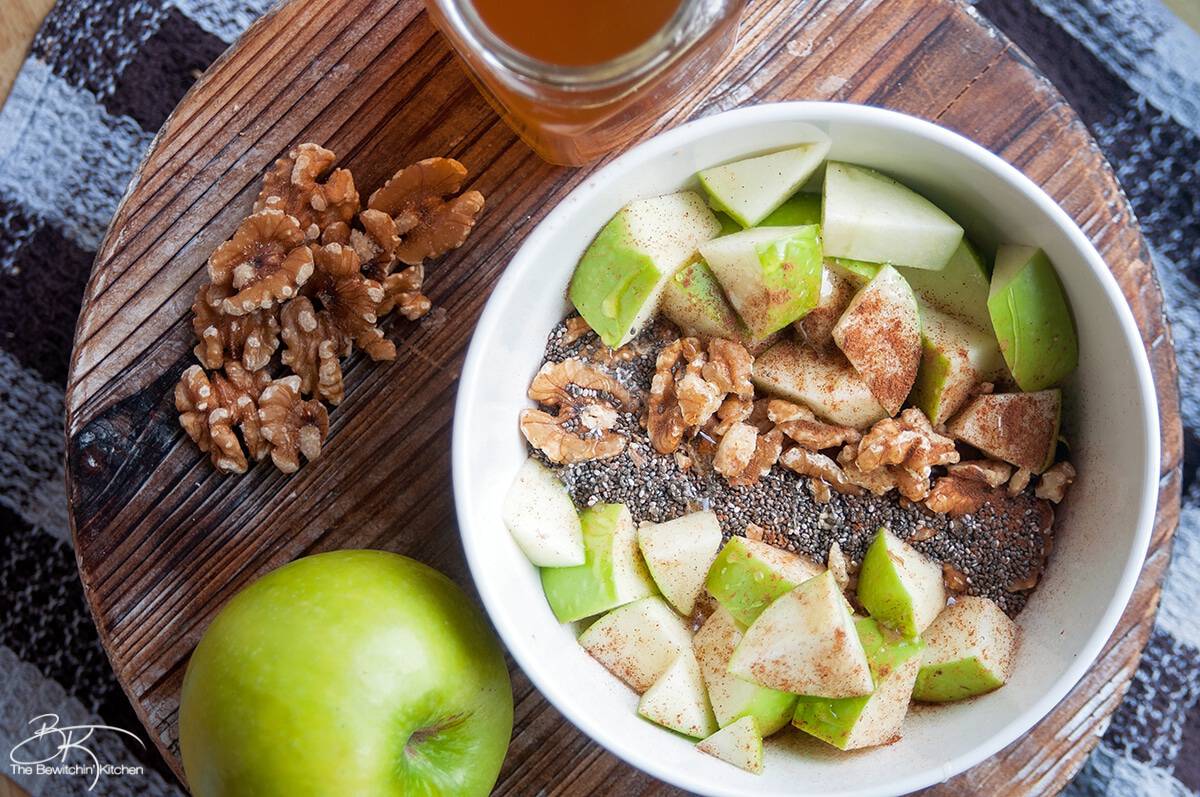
{"points": [[1001, 544]]}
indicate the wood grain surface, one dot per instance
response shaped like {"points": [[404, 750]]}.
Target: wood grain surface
{"points": [[163, 541], [19, 21]]}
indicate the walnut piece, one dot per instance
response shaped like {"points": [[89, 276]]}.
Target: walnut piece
{"points": [[836, 562], [575, 328], [427, 215], [818, 466], [211, 406], [402, 292], [294, 186], [292, 426], [690, 386], [957, 495], [313, 349], [744, 456], [250, 339], [1054, 482], [587, 402], [954, 579], [800, 424], [909, 440], [1019, 481], [264, 262], [988, 471], [349, 299], [732, 410], [877, 482], [375, 244]]}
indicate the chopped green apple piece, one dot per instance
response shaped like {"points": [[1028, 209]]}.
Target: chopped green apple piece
{"points": [[1031, 318], [851, 723], [955, 357], [825, 382], [612, 573], [805, 643], [619, 279], [970, 649], [869, 216], [799, 210], [816, 328], [880, 334], [677, 699], [739, 743], [859, 272], [732, 698], [1021, 428], [772, 275], [695, 302], [748, 190], [960, 289], [542, 518], [638, 641], [678, 554], [900, 586], [728, 225], [747, 575]]}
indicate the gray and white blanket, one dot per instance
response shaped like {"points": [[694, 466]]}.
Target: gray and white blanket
{"points": [[101, 79]]}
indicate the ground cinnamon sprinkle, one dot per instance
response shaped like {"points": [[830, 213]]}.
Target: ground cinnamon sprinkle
{"points": [[1002, 544]]}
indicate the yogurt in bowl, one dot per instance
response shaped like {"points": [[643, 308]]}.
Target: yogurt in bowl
{"points": [[1101, 532]]}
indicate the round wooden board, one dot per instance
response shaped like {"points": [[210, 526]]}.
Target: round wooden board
{"points": [[163, 541]]}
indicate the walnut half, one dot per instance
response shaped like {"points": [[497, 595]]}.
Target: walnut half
{"points": [[427, 215], [291, 425], [587, 403], [211, 406]]}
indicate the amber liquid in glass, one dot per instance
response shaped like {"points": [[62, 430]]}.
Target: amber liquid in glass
{"points": [[579, 78], [575, 32]]}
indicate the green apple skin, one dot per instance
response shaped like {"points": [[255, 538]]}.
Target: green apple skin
{"points": [[728, 225], [1032, 319], [955, 680], [835, 720], [800, 210], [612, 573], [771, 275], [955, 357], [695, 301], [745, 583], [960, 289], [351, 672], [619, 279], [899, 586]]}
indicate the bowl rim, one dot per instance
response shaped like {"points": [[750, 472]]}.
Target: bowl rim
{"points": [[491, 319]]}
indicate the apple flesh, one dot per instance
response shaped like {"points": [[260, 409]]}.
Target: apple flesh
{"points": [[900, 586], [695, 302], [1031, 318], [970, 650], [677, 700], [960, 289], [739, 743], [880, 334], [748, 575], [805, 643], [749, 189], [869, 216], [816, 328], [351, 672], [825, 382], [638, 641], [859, 272], [772, 275], [852, 723], [799, 210], [732, 698], [612, 574], [1020, 428], [542, 518], [678, 554], [619, 279], [955, 357]]}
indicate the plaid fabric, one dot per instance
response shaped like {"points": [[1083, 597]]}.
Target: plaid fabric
{"points": [[101, 79]]}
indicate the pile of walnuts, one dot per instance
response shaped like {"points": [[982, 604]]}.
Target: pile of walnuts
{"points": [[309, 274]]}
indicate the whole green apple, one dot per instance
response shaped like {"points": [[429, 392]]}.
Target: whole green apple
{"points": [[346, 673]]}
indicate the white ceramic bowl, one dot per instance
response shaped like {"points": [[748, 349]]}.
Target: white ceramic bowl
{"points": [[1102, 530]]}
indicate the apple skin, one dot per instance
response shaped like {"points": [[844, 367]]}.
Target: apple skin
{"points": [[797, 211], [351, 672], [747, 576]]}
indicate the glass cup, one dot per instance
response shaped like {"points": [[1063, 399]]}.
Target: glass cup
{"points": [[572, 115]]}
